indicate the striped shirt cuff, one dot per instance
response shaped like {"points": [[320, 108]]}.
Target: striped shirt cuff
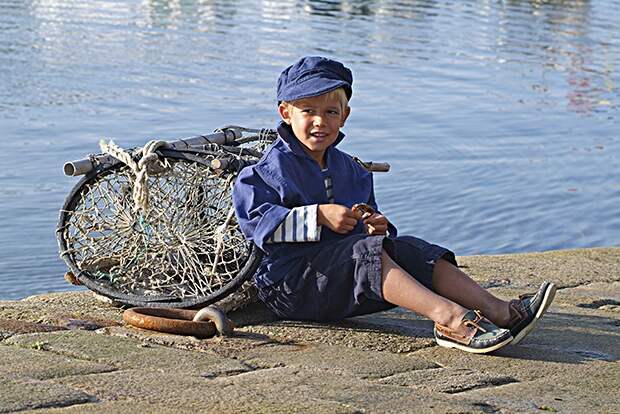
{"points": [[299, 226]]}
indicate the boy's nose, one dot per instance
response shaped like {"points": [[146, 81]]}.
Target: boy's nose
{"points": [[318, 120]]}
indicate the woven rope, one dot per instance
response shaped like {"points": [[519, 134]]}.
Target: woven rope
{"points": [[148, 162]]}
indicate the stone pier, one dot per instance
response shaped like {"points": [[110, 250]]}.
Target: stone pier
{"points": [[70, 353]]}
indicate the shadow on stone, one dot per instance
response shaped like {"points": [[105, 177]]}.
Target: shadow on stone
{"points": [[559, 337], [569, 338]]}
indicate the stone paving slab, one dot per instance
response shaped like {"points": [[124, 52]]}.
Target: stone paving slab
{"points": [[584, 336], [394, 331], [68, 352], [125, 353], [568, 268], [38, 364], [17, 394], [116, 407], [264, 390], [272, 352], [603, 296], [522, 362], [547, 395], [360, 394], [58, 308], [258, 407], [448, 380], [10, 327], [337, 359], [280, 389]]}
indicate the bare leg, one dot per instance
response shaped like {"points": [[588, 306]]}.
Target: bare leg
{"points": [[450, 282], [401, 289]]}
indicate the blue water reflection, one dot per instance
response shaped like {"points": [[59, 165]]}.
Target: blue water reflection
{"points": [[500, 119]]}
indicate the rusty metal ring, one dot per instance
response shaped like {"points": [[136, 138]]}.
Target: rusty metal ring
{"points": [[174, 321], [214, 314]]}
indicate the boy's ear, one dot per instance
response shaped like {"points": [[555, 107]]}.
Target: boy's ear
{"points": [[345, 115], [285, 114]]}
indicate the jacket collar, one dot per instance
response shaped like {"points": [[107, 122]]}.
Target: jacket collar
{"points": [[288, 136]]}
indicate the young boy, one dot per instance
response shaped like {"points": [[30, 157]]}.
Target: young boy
{"points": [[324, 263]]}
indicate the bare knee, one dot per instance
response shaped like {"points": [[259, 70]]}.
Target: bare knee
{"points": [[387, 264], [441, 268]]}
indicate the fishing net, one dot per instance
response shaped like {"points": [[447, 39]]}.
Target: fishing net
{"points": [[183, 247]]}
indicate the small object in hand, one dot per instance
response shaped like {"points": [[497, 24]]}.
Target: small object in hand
{"points": [[362, 211]]}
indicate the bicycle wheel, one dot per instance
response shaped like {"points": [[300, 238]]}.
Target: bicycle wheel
{"points": [[186, 250]]}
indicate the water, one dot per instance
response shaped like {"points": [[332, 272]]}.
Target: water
{"points": [[499, 118]]}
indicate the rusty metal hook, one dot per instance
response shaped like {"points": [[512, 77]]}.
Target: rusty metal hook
{"points": [[204, 323]]}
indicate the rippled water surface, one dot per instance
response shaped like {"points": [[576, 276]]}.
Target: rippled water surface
{"points": [[499, 118]]}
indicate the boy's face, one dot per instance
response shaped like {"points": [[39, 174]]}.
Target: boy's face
{"points": [[316, 122]]}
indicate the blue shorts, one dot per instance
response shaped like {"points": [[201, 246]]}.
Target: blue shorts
{"points": [[344, 278]]}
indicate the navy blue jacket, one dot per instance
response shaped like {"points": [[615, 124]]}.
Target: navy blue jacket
{"points": [[286, 177]]}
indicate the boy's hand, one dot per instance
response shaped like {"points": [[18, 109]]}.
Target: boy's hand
{"points": [[376, 224], [336, 217], [362, 211]]}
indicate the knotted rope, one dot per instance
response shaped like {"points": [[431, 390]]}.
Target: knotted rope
{"points": [[148, 163], [221, 230]]}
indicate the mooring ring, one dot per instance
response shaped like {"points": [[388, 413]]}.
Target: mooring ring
{"points": [[179, 321]]}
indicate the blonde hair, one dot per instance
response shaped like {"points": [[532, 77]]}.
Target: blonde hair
{"points": [[339, 94]]}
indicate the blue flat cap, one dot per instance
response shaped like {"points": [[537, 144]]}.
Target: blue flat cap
{"points": [[312, 76]]}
